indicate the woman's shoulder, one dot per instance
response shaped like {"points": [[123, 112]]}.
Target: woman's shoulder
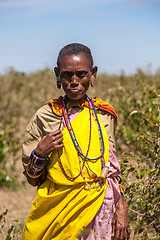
{"points": [[44, 112], [49, 108], [38, 117], [101, 104], [104, 107], [56, 105], [44, 118]]}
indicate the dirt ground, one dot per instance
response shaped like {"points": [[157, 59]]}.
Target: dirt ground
{"points": [[18, 202]]}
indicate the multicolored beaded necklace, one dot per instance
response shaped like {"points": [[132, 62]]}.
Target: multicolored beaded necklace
{"points": [[77, 146]]}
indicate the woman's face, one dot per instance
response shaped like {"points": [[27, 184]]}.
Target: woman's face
{"points": [[75, 75]]}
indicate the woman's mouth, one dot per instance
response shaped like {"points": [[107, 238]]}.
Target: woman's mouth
{"points": [[75, 90]]}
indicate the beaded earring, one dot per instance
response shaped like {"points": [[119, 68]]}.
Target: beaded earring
{"points": [[58, 82]]}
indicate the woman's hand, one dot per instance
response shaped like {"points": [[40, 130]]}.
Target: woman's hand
{"points": [[120, 226], [49, 143]]}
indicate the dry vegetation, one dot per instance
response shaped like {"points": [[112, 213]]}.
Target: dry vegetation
{"points": [[136, 99]]}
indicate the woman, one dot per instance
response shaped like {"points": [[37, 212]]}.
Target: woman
{"points": [[68, 150]]}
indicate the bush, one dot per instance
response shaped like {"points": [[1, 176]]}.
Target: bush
{"points": [[140, 131], [14, 230], [9, 146]]}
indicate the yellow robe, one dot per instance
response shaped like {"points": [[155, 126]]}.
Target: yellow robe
{"points": [[62, 208]]}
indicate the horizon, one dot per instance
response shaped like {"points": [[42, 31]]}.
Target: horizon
{"points": [[123, 35]]}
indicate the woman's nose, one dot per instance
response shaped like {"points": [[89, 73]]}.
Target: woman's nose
{"points": [[74, 79]]}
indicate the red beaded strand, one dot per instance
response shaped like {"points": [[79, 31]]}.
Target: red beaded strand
{"points": [[70, 128], [59, 156]]}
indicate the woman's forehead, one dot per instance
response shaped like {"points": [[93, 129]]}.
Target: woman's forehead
{"points": [[78, 59]]}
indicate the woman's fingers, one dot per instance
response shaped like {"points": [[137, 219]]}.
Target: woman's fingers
{"points": [[49, 143], [113, 227], [58, 141], [58, 138], [128, 232]]}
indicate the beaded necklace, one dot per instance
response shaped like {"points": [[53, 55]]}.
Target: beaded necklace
{"points": [[73, 137], [60, 162], [77, 146]]}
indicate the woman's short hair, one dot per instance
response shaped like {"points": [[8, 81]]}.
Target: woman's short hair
{"points": [[75, 49]]}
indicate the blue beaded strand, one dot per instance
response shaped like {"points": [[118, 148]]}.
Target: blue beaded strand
{"points": [[74, 139]]}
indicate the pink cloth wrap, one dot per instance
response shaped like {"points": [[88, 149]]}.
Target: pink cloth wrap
{"points": [[101, 226]]}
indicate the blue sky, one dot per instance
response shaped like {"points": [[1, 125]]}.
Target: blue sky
{"points": [[122, 34]]}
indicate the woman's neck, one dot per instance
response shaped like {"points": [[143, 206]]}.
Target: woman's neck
{"points": [[84, 98]]}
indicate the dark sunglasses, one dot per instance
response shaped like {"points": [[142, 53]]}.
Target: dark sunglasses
{"points": [[70, 74]]}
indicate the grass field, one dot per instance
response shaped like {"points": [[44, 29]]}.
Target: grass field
{"points": [[136, 99]]}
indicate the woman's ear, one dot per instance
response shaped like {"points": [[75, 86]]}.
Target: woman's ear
{"points": [[56, 70], [94, 74], [94, 71]]}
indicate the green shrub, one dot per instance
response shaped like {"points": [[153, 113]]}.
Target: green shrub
{"points": [[13, 230], [140, 130], [9, 146]]}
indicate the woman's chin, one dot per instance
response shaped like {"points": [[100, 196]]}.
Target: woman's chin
{"points": [[75, 96]]}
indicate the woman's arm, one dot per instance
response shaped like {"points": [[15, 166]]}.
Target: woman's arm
{"points": [[40, 130], [38, 158], [33, 181]]}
